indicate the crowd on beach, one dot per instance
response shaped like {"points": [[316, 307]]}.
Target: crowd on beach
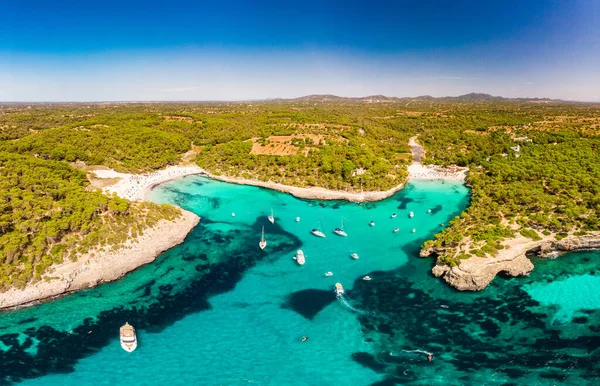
{"points": [[431, 172], [133, 187]]}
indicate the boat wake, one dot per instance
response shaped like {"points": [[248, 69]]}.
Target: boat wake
{"points": [[419, 351], [349, 306]]}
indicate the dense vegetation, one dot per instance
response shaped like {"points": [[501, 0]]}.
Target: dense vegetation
{"points": [[46, 215], [550, 185]]}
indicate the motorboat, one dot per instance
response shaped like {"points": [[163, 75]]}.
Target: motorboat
{"points": [[428, 210], [339, 290], [297, 219], [396, 230], [340, 231], [300, 259], [414, 230], [372, 223], [263, 242], [354, 256], [328, 274], [271, 217], [367, 278], [394, 215], [128, 337], [411, 214], [232, 214]]}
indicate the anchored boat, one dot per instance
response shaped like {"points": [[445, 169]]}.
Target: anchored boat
{"points": [[128, 337], [271, 217], [300, 259], [340, 231], [263, 242], [411, 215], [354, 256], [317, 231]]}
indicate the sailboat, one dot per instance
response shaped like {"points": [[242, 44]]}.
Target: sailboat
{"points": [[263, 241], [271, 217], [340, 231], [317, 231]]}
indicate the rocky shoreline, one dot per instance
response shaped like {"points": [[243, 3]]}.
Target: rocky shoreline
{"points": [[102, 266], [475, 273]]}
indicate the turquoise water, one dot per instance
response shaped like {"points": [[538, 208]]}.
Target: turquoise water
{"points": [[217, 310]]}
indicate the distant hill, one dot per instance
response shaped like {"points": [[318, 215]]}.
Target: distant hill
{"points": [[466, 98]]}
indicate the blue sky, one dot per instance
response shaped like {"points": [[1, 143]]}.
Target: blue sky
{"points": [[232, 50]]}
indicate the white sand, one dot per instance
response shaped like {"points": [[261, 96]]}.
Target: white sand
{"points": [[134, 187], [432, 172]]}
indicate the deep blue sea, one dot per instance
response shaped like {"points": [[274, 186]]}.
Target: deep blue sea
{"points": [[217, 310]]}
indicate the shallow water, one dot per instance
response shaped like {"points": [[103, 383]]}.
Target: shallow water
{"points": [[217, 310]]}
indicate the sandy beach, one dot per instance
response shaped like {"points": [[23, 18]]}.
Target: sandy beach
{"points": [[134, 187], [101, 266]]}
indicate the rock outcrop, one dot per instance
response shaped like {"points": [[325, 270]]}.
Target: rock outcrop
{"points": [[476, 273]]}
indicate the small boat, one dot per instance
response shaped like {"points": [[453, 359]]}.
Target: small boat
{"points": [[396, 230], [429, 211], [340, 231], [304, 338], [414, 230], [394, 215], [441, 224], [372, 223], [367, 278], [317, 231], [297, 219], [271, 217], [300, 259], [354, 256], [128, 337], [411, 215], [263, 242], [328, 274], [232, 214], [339, 290]]}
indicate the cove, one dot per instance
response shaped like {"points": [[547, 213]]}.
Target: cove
{"points": [[217, 310]]}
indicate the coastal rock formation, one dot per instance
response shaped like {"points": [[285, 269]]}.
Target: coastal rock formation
{"points": [[476, 273], [101, 266]]}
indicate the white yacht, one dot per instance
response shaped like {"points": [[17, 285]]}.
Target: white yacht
{"points": [[429, 211], [340, 231], [339, 290], [271, 217], [328, 274], [354, 256], [414, 230], [263, 242], [367, 278], [411, 215], [297, 219], [128, 337], [372, 223], [232, 214], [317, 231], [394, 215], [300, 259], [396, 230]]}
